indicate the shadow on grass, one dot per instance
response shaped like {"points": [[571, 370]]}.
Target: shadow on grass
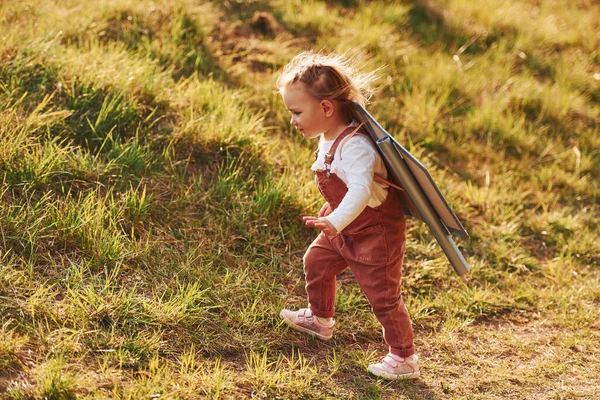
{"points": [[95, 112], [175, 40], [359, 381], [428, 23], [234, 176]]}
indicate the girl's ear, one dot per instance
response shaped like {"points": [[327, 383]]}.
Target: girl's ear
{"points": [[327, 107]]}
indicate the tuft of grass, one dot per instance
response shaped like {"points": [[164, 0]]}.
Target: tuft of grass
{"points": [[11, 345], [268, 377]]}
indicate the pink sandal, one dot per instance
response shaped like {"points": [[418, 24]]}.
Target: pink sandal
{"points": [[396, 367], [305, 321]]}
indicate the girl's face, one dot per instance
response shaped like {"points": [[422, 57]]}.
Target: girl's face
{"points": [[309, 115]]}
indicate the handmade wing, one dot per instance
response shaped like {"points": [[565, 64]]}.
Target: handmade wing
{"points": [[421, 197]]}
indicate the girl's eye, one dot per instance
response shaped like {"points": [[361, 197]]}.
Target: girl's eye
{"points": [[297, 113]]}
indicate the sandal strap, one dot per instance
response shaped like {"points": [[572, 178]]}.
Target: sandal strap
{"points": [[305, 314], [390, 361]]}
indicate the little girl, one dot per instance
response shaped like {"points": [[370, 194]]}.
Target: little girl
{"points": [[362, 224]]}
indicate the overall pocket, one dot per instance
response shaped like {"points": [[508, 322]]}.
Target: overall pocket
{"points": [[367, 246]]}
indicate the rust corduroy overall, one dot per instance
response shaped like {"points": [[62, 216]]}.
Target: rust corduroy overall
{"points": [[373, 246]]}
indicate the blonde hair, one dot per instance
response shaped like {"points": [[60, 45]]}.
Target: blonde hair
{"points": [[328, 77]]}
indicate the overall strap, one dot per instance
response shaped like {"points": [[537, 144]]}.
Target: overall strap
{"points": [[383, 181], [347, 133]]}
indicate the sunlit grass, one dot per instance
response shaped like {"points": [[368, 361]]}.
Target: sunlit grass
{"points": [[152, 189]]}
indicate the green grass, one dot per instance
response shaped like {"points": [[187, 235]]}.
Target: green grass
{"points": [[152, 188]]}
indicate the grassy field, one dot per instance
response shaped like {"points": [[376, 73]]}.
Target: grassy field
{"points": [[152, 190]]}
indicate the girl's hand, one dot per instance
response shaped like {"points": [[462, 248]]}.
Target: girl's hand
{"points": [[325, 210], [322, 224]]}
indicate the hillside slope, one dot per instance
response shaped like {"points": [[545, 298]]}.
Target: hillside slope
{"points": [[152, 189]]}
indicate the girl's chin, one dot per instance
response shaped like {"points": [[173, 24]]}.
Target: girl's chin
{"points": [[308, 135]]}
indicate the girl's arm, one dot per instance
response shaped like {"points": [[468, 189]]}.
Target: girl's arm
{"points": [[354, 202], [356, 168]]}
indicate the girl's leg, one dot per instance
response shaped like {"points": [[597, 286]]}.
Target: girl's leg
{"points": [[321, 264], [381, 285]]}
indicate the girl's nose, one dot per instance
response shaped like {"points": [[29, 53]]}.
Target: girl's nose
{"points": [[292, 121]]}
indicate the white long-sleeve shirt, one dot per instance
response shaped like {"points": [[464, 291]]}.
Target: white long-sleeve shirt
{"points": [[358, 163]]}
